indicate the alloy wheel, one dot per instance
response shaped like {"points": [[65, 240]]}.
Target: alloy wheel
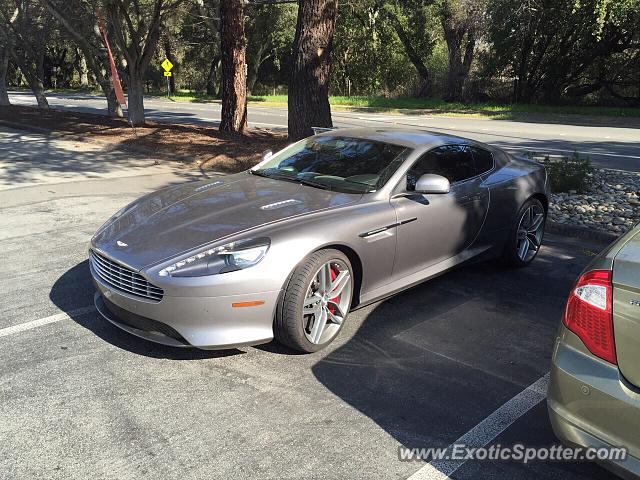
{"points": [[327, 302], [530, 231]]}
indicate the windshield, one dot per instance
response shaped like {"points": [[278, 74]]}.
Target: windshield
{"points": [[344, 164]]}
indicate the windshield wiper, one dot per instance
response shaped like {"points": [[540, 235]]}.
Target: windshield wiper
{"points": [[259, 173], [311, 183], [289, 178]]}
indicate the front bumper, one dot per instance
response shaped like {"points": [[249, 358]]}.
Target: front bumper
{"points": [[591, 405], [202, 322]]}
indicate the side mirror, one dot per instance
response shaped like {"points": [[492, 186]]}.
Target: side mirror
{"points": [[266, 155], [431, 183]]}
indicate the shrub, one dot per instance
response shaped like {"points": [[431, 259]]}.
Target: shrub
{"points": [[569, 173]]}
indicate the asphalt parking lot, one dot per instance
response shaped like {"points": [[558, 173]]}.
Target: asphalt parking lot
{"points": [[79, 398]]}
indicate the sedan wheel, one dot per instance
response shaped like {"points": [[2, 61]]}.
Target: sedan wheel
{"points": [[315, 302]]}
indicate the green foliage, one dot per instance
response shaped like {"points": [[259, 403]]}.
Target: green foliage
{"points": [[436, 105], [554, 53], [270, 29], [368, 58], [561, 49], [569, 173]]}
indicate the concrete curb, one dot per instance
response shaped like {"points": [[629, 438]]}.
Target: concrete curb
{"points": [[583, 233]]}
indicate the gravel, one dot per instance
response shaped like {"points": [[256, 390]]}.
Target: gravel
{"points": [[611, 204]]}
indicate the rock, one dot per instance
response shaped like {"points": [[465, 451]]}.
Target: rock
{"points": [[610, 204]]}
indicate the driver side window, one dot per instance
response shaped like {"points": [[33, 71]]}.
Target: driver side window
{"points": [[454, 162]]}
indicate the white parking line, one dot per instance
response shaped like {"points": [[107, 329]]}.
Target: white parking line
{"points": [[21, 327], [487, 430]]}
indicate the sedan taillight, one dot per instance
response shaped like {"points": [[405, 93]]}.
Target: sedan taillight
{"points": [[589, 313]]}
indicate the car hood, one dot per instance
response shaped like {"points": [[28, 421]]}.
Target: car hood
{"points": [[178, 219]]}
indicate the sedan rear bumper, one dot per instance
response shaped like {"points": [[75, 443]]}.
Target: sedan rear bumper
{"points": [[202, 322], [591, 405]]}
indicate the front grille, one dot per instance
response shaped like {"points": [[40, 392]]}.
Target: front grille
{"points": [[123, 278]]}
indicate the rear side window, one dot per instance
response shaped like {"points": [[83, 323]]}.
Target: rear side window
{"points": [[454, 162], [483, 159]]}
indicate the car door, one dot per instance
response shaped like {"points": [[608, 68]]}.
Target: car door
{"points": [[436, 227]]}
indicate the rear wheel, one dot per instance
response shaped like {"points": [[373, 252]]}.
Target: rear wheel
{"points": [[315, 302], [526, 237]]}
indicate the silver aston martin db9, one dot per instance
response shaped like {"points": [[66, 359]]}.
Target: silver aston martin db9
{"points": [[329, 224]]}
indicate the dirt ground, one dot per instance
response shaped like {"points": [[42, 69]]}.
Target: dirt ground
{"points": [[206, 146]]}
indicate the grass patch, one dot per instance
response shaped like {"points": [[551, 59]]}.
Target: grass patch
{"points": [[86, 90], [430, 105], [185, 96]]}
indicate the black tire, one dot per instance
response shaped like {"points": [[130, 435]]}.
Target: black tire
{"points": [[288, 326], [510, 255]]}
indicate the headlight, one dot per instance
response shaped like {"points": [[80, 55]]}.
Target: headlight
{"points": [[227, 258]]}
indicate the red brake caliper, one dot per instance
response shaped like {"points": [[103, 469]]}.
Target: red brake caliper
{"points": [[334, 275]]}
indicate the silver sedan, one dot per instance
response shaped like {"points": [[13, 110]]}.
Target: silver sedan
{"points": [[329, 224]]}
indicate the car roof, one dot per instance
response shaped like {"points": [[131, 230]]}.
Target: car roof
{"points": [[407, 137]]}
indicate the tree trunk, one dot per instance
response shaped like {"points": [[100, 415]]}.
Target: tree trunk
{"points": [[309, 83], [526, 91], [95, 61], [113, 107], [455, 75], [413, 55], [212, 78], [461, 43], [234, 68], [135, 104], [36, 83], [4, 66], [33, 75], [83, 70], [36, 86], [253, 67]]}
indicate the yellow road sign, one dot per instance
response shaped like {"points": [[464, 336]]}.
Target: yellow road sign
{"points": [[167, 74], [167, 65]]}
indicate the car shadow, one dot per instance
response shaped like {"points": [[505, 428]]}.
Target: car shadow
{"points": [[431, 363], [74, 291]]}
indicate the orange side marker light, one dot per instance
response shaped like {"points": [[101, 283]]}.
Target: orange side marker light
{"points": [[253, 303]]}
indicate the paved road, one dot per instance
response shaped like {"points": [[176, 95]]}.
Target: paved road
{"points": [[612, 147], [79, 398]]}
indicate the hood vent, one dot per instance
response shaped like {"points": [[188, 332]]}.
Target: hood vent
{"points": [[283, 203], [206, 186]]}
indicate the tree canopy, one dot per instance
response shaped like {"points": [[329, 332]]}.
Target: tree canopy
{"points": [[545, 51]]}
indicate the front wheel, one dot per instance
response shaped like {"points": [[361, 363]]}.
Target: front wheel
{"points": [[526, 237], [315, 302]]}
